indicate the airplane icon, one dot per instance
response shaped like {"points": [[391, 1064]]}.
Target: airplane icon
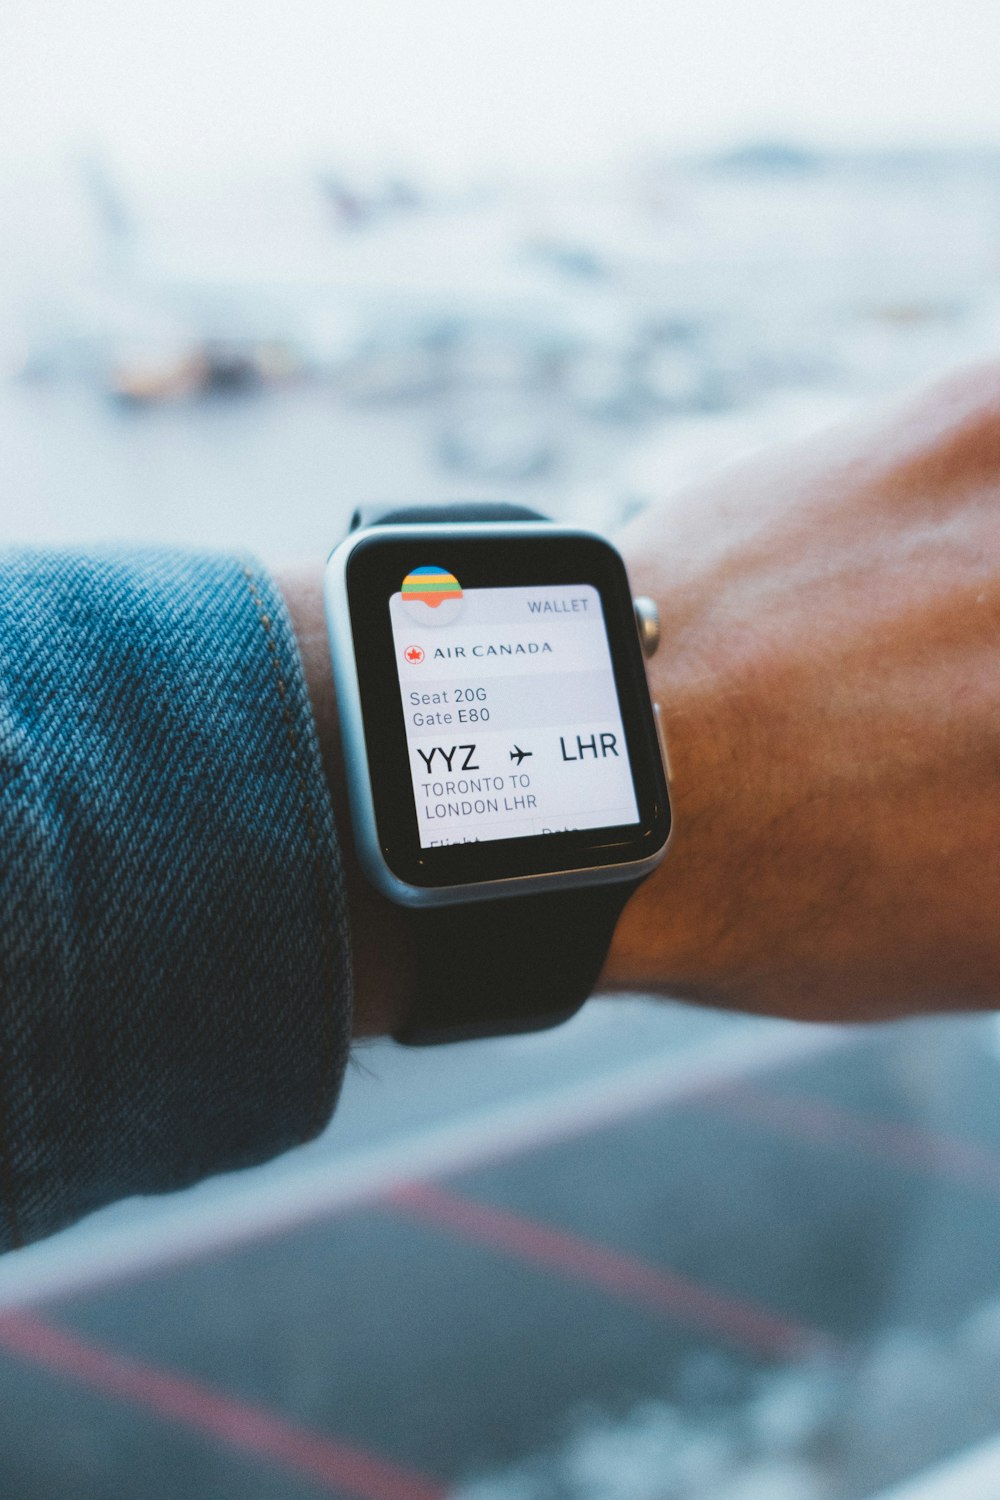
{"points": [[517, 754]]}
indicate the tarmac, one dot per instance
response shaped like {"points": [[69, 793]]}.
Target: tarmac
{"points": [[660, 1254]]}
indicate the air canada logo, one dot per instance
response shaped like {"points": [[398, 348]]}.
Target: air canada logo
{"points": [[431, 596]]}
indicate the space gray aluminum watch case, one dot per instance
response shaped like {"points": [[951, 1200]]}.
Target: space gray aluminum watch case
{"points": [[352, 730]]}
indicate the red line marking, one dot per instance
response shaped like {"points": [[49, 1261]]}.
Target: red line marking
{"points": [[240, 1425], [826, 1124], [218, 1233], [658, 1290]]}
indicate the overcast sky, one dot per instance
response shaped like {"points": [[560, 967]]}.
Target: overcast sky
{"points": [[458, 86]]}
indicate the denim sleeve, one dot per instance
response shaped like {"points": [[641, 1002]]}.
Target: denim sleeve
{"points": [[174, 953]]}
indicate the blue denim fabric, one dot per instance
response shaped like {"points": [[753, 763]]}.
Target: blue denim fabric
{"points": [[174, 952]]}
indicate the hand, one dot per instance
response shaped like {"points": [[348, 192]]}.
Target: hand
{"points": [[829, 676]]}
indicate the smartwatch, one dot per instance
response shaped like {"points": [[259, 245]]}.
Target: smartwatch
{"points": [[504, 763]]}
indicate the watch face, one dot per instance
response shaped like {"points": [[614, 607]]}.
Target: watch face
{"points": [[506, 716]]}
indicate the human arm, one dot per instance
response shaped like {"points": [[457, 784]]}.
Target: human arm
{"points": [[830, 681], [175, 982]]}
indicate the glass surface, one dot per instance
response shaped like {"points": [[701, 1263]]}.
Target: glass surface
{"points": [[513, 724], [660, 1254], [260, 263]]}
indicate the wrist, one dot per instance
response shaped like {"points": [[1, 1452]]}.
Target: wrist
{"points": [[381, 945], [670, 938], [689, 932]]}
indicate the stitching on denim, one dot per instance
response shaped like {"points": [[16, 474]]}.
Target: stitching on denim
{"points": [[7, 1193], [312, 831]]}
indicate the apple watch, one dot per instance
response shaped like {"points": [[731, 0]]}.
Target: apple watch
{"points": [[504, 763]]}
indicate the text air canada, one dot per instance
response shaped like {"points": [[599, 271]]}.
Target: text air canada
{"points": [[491, 648]]}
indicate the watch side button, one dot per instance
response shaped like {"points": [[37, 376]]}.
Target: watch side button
{"points": [[664, 752], [647, 620]]}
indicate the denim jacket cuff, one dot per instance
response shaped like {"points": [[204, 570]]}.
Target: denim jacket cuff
{"points": [[175, 994]]}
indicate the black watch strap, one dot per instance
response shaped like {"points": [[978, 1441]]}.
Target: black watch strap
{"points": [[522, 963], [519, 963], [442, 515]]}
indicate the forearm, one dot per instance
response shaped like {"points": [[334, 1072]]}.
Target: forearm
{"points": [[830, 677]]}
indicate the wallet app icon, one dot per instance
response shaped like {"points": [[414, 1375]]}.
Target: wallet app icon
{"points": [[431, 596]]}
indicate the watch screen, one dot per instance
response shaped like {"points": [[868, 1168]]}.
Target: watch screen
{"points": [[513, 725], [506, 718]]}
